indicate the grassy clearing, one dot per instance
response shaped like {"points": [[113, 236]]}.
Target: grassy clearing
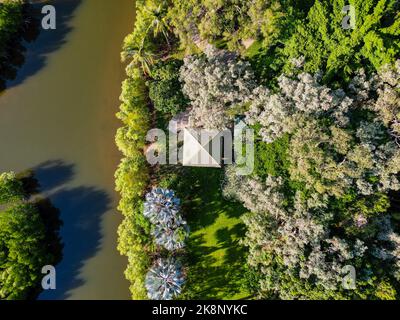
{"points": [[216, 260]]}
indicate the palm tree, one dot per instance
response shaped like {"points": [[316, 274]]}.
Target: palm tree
{"points": [[165, 279], [137, 52], [162, 207], [140, 57], [158, 22], [171, 238]]}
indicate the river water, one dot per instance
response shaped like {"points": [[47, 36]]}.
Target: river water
{"points": [[58, 118]]}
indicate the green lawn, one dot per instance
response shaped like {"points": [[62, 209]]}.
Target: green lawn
{"points": [[216, 260]]}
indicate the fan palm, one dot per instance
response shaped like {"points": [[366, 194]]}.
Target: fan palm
{"points": [[162, 207], [171, 238], [164, 280]]}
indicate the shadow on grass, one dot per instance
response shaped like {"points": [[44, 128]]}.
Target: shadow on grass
{"points": [[216, 260]]}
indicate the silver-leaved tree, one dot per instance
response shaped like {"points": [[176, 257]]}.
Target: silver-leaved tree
{"points": [[165, 279], [327, 209], [162, 207], [216, 84], [171, 238]]}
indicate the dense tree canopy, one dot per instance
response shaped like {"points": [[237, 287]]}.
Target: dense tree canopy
{"points": [[216, 84], [232, 22], [11, 19], [165, 90], [338, 52], [324, 103], [330, 209], [23, 247]]}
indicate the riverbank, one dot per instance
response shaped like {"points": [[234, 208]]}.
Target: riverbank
{"points": [[322, 102], [214, 259], [29, 236], [13, 15]]}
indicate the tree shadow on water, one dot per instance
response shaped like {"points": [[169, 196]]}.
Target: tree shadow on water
{"points": [[81, 209], [53, 174], [38, 43]]}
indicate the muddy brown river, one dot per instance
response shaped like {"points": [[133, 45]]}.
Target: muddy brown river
{"points": [[58, 118]]}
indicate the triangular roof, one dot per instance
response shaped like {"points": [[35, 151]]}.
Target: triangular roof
{"points": [[196, 154]]}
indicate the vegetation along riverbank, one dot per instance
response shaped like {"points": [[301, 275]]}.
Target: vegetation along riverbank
{"points": [[15, 21], [324, 103]]}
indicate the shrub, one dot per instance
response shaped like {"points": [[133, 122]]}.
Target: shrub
{"points": [[165, 89]]}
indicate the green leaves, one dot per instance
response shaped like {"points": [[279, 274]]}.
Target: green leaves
{"points": [[132, 174], [165, 90], [10, 188], [10, 22], [319, 195], [23, 251], [337, 52]]}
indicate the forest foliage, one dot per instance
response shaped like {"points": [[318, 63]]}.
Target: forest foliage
{"points": [[324, 103], [25, 241], [132, 177], [11, 20]]}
